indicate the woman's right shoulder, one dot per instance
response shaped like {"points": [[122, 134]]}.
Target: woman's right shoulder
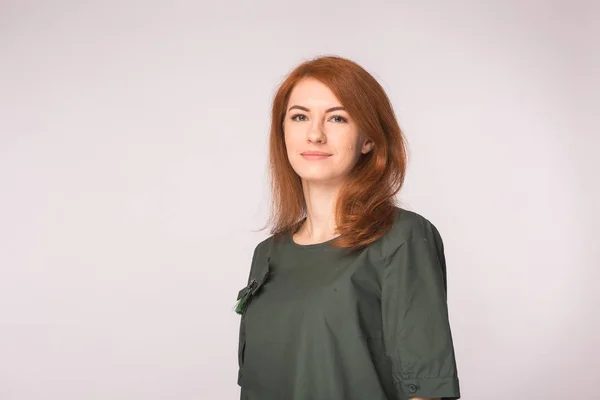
{"points": [[262, 247], [262, 250]]}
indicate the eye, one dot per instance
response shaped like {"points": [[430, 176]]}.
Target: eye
{"points": [[341, 119], [293, 117], [302, 117]]}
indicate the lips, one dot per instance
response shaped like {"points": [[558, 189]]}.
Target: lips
{"points": [[315, 153]]}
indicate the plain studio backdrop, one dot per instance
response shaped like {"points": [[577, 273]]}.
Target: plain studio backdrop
{"points": [[133, 148]]}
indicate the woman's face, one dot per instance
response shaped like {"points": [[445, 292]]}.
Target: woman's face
{"points": [[316, 121]]}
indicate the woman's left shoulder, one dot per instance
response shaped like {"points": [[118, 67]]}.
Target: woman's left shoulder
{"points": [[408, 226]]}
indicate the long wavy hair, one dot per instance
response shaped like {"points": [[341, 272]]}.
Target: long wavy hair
{"points": [[366, 205]]}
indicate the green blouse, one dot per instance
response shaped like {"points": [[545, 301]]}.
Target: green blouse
{"points": [[322, 323]]}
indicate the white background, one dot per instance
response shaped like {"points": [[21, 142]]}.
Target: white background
{"points": [[133, 145]]}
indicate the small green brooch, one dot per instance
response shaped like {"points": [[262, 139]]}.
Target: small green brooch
{"points": [[255, 284], [244, 296]]}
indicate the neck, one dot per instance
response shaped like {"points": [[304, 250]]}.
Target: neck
{"points": [[320, 201]]}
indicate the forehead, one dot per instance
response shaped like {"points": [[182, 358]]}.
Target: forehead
{"points": [[310, 91]]}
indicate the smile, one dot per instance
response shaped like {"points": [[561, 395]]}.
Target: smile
{"points": [[315, 156]]}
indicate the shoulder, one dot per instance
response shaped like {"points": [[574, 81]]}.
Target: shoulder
{"points": [[260, 255], [408, 226], [262, 250]]}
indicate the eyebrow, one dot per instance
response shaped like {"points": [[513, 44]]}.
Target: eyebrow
{"points": [[326, 111]]}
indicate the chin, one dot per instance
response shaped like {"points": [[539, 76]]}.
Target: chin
{"points": [[316, 178]]}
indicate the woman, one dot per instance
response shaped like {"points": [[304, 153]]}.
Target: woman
{"points": [[347, 299]]}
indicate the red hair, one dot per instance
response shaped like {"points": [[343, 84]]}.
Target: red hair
{"points": [[365, 207]]}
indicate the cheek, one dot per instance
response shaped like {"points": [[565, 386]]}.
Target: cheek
{"points": [[292, 142], [349, 147], [292, 133]]}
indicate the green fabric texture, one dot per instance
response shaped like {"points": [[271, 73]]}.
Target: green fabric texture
{"points": [[321, 323]]}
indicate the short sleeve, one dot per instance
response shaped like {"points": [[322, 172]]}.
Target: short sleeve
{"points": [[416, 326], [242, 327]]}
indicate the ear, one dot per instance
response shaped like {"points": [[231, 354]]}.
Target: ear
{"points": [[367, 146]]}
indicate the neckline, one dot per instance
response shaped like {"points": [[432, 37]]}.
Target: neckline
{"points": [[325, 244]]}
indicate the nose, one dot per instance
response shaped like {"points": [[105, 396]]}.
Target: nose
{"points": [[315, 133]]}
